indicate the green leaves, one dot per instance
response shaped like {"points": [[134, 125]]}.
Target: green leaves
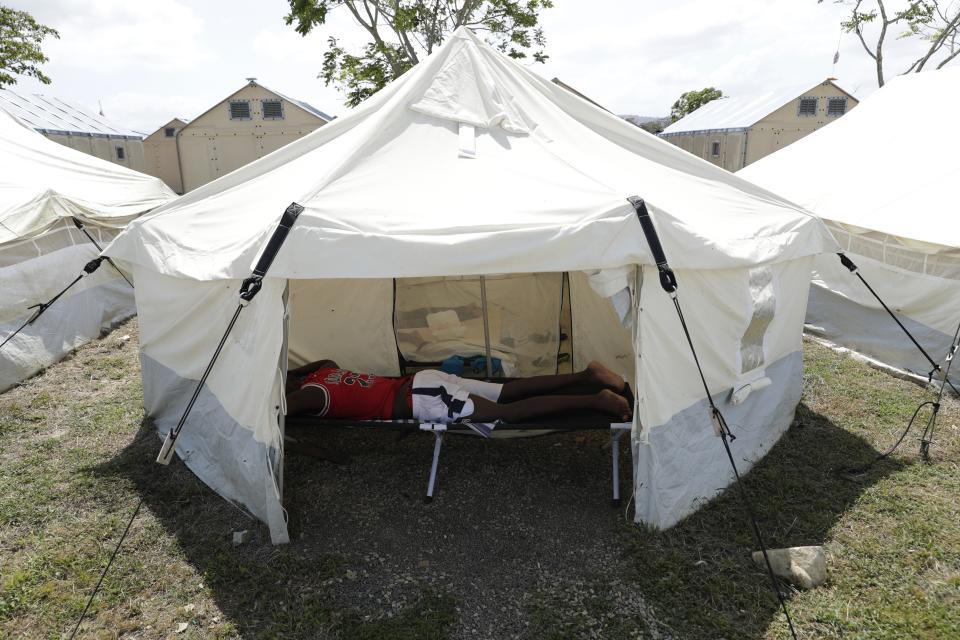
{"points": [[693, 100], [402, 31], [934, 22], [359, 76], [20, 39]]}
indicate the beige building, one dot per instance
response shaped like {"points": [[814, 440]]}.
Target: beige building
{"points": [[246, 125], [76, 128], [733, 132], [160, 151]]}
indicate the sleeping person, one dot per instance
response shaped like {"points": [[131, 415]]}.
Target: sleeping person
{"points": [[434, 396]]}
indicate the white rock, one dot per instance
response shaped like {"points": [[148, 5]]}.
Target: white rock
{"points": [[804, 567], [182, 627], [240, 537]]}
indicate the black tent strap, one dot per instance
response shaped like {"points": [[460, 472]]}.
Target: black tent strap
{"points": [[251, 286], [667, 278], [669, 283], [80, 226], [88, 268], [855, 270], [248, 290]]}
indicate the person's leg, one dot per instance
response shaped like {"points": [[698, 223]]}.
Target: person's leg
{"points": [[538, 406], [595, 373]]}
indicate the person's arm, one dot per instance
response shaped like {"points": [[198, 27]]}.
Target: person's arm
{"points": [[307, 400], [310, 367]]}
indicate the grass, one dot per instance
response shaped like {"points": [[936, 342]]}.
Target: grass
{"points": [[892, 534], [74, 455]]}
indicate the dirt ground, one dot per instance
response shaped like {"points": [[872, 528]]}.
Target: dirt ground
{"points": [[521, 540]]}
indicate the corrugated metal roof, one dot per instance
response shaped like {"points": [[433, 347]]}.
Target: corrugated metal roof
{"points": [[737, 112], [306, 106], [47, 114]]}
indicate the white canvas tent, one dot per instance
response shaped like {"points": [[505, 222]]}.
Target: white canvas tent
{"points": [[43, 186], [884, 178], [472, 165]]}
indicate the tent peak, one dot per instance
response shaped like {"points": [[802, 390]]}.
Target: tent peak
{"points": [[466, 90]]}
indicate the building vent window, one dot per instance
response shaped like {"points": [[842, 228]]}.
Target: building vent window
{"points": [[239, 110], [120, 153], [272, 110], [715, 149], [808, 107], [170, 132], [836, 107]]}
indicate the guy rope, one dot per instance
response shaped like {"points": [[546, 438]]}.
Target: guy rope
{"points": [[927, 438], [668, 281], [249, 288]]}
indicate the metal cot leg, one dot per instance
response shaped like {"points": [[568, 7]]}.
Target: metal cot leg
{"points": [[438, 439], [615, 453]]}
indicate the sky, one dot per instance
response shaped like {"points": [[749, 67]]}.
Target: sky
{"points": [[147, 61]]}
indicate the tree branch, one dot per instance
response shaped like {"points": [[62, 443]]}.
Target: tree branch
{"points": [[469, 6], [375, 34], [883, 34], [950, 27], [948, 58], [859, 30]]}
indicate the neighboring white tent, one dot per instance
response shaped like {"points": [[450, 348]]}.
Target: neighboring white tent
{"points": [[468, 165], [42, 186], [884, 179]]}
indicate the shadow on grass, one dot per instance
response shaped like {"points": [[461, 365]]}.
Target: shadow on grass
{"points": [[266, 591], [368, 560], [700, 573]]}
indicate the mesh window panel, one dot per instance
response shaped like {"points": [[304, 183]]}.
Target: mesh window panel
{"points": [[53, 240], [867, 247], [944, 265], [239, 110], [885, 249], [836, 107], [904, 258], [17, 252], [437, 318]]}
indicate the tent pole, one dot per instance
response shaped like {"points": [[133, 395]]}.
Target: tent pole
{"points": [[486, 326]]}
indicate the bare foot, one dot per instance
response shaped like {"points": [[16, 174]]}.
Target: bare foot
{"points": [[606, 377], [614, 404]]}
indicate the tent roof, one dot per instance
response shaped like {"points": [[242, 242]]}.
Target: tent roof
{"points": [[470, 163], [890, 165], [42, 181], [740, 112]]}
